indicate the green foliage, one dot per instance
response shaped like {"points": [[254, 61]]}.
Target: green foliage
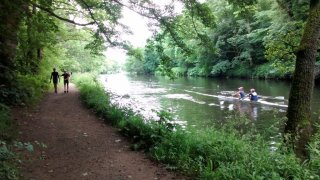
{"points": [[79, 59], [76, 55], [37, 31], [264, 71], [134, 65], [202, 11], [111, 66], [314, 150], [242, 71], [281, 45], [9, 158], [25, 89], [220, 68], [226, 154], [143, 61], [31, 88], [7, 131], [234, 38], [179, 71], [242, 3], [8, 169]]}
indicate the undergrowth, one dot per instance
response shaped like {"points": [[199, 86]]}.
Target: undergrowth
{"points": [[8, 169], [203, 154], [24, 90]]}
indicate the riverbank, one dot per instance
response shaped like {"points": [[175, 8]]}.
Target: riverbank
{"points": [[70, 142], [206, 154]]}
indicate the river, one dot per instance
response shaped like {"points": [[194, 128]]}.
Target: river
{"points": [[203, 102]]}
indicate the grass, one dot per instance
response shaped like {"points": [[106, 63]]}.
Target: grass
{"points": [[202, 154]]}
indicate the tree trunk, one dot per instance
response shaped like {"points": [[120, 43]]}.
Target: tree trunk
{"points": [[10, 16], [299, 125], [39, 54]]}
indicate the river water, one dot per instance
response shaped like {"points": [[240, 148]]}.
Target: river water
{"points": [[203, 102]]}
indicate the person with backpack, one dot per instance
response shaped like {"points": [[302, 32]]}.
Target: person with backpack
{"points": [[66, 78]]}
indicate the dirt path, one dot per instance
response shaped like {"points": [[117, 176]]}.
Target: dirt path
{"points": [[79, 145]]}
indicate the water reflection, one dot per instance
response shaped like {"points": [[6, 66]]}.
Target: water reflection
{"points": [[248, 109]]}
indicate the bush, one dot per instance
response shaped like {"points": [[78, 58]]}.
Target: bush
{"points": [[25, 89], [220, 68], [314, 150], [266, 71], [7, 157], [6, 125], [240, 71], [179, 71], [212, 154], [8, 169]]}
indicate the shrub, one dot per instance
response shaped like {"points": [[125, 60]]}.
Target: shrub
{"points": [[25, 89], [7, 157], [6, 125], [314, 150], [7, 161], [266, 71]]}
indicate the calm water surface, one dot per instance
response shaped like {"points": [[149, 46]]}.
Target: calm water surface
{"points": [[202, 102]]}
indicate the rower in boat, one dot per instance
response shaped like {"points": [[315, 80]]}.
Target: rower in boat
{"points": [[253, 96], [240, 93]]}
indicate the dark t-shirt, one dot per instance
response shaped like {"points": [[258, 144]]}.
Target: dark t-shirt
{"points": [[66, 76], [55, 76], [242, 95]]}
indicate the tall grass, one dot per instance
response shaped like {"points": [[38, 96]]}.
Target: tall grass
{"points": [[203, 154]]}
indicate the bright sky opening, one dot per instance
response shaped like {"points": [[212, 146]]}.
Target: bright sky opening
{"points": [[139, 27]]}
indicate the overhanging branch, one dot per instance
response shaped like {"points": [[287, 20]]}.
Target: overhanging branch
{"points": [[100, 26], [59, 17]]}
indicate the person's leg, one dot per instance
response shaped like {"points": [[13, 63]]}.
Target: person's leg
{"points": [[67, 86], [55, 87], [64, 86]]}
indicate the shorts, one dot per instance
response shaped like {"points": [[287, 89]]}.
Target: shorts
{"points": [[66, 82]]}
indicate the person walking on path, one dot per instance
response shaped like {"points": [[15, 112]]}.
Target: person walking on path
{"points": [[55, 77], [66, 77]]}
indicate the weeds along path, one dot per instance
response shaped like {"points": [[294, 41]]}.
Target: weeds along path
{"points": [[70, 142]]}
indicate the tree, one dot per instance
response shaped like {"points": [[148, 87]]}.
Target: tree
{"points": [[11, 13], [135, 62], [299, 124]]}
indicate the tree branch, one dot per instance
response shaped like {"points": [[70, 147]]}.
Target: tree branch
{"points": [[100, 26], [59, 17]]}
